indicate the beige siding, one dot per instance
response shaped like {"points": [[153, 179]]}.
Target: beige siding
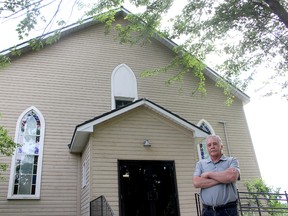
{"points": [[123, 138], [69, 82]]}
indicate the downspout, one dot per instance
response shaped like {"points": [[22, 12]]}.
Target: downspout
{"points": [[226, 137]]}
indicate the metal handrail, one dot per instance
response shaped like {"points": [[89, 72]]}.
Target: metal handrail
{"points": [[263, 202], [253, 202], [100, 207]]}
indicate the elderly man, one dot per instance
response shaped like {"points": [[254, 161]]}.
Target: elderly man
{"points": [[217, 176]]}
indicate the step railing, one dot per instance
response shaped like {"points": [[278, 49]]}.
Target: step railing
{"points": [[100, 207], [263, 203], [249, 203]]}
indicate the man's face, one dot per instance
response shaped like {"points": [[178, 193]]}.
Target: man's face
{"points": [[213, 147]]}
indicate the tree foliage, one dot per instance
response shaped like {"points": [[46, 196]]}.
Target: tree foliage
{"points": [[7, 146], [266, 197], [245, 33]]}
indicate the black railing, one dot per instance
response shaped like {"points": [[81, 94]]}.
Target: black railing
{"points": [[100, 207], [198, 204], [249, 203], [271, 203]]}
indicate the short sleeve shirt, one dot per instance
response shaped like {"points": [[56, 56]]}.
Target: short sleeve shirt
{"points": [[219, 194]]}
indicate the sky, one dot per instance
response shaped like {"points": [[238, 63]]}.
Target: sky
{"points": [[267, 119]]}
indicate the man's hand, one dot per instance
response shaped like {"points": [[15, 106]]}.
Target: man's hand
{"points": [[227, 176], [201, 182], [209, 179]]}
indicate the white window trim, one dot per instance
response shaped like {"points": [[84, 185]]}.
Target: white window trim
{"points": [[207, 123], [134, 80], [203, 142], [199, 150], [84, 174], [40, 158]]}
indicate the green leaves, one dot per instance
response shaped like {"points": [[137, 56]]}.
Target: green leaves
{"points": [[4, 61], [31, 10], [7, 145], [245, 33], [53, 38], [266, 197]]}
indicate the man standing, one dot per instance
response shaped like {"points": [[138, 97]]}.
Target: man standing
{"points": [[217, 176]]}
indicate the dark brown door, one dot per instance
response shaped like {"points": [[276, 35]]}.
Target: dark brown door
{"points": [[148, 188]]}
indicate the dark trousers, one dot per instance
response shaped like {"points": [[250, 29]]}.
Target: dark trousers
{"points": [[225, 210]]}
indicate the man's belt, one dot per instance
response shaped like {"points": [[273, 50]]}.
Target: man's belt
{"points": [[219, 207]]}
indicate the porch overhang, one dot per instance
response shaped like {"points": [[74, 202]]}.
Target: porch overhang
{"points": [[82, 131]]}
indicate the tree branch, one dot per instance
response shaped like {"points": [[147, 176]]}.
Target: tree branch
{"points": [[279, 10]]}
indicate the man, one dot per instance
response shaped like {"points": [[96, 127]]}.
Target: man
{"points": [[217, 176]]}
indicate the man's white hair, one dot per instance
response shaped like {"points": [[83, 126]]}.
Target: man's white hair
{"points": [[215, 137]]}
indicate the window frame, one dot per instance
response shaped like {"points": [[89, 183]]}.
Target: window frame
{"points": [[128, 100], [84, 174], [118, 91], [203, 143], [10, 194], [204, 152]]}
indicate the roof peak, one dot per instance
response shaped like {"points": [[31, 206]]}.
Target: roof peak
{"points": [[78, 26]]}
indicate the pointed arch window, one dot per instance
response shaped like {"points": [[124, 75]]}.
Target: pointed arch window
{"points": [[123, 86], [26, 167], [201, 147], [205, 127]]}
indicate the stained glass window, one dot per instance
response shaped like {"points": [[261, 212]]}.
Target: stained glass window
{"points": [[24, 180], [202, 151], [205, 127], [27, 155]]}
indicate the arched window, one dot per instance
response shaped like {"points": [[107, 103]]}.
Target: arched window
{"points": [[123, 86], [206, 126], [201, 147], [26, 167]]}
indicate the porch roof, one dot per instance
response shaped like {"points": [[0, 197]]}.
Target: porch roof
{"points": [[82, 131]]}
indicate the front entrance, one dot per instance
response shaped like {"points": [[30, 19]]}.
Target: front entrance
{"points": [[148, 188]]}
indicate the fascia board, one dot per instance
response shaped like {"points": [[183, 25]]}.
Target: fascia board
{"points": [[207, 71], [87, 128], [178, 120], [215, 76]]}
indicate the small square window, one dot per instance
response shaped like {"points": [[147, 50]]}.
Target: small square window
{"points": [[120, 103]]}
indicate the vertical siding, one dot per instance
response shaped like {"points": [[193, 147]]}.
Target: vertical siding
{"points": [[69, 82]]}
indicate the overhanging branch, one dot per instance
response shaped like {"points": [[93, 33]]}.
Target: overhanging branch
{"points": [[279, 10]]}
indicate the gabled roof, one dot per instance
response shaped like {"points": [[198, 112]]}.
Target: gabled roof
{"points": [[82, 131], [75, 27]]}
